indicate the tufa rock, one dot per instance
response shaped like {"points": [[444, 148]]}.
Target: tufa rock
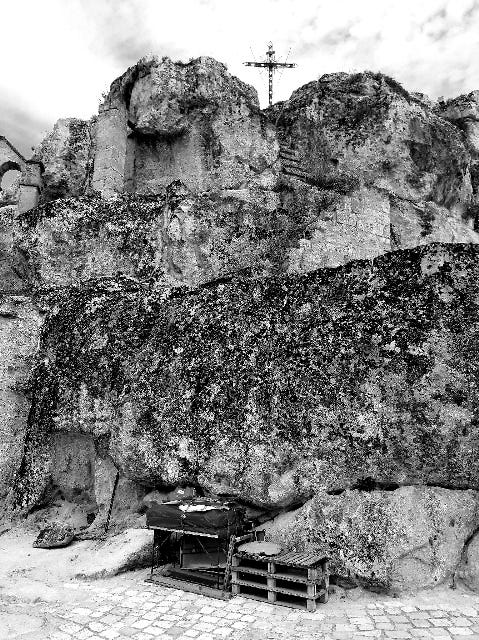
{"points": [[409, 538], [270, 389], [67, 155]]}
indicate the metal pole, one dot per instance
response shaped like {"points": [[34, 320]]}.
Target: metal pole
{"points": [[107, 524], [271, 86]]}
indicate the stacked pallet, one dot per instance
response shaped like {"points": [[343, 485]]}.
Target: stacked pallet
{"points": [[291, 579]]}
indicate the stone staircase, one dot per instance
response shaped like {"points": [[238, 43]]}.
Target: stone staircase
{"points": [[291, 164]]}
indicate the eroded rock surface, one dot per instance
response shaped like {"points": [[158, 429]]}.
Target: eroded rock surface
{"points": [[408, 538], [67, 154], [194, 337], [164, 121], [364, 131], [272, 389]]}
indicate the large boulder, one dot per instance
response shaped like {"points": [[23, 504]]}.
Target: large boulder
{"points": [[407, 538], [468, 571], [270, 389]]}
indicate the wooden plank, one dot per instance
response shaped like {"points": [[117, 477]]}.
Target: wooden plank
{"points": [[271, 592], [276, 589], [300, 560], [294, 578], [278, 575], [189, 533], [282, 603], [251, 570], [190, 587]]}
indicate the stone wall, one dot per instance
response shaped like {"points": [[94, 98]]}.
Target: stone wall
{"points": [[30, 182]]}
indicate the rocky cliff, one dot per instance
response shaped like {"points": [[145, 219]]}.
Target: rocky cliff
{"points": [[276, 390], [277, 305], [351, 166]]}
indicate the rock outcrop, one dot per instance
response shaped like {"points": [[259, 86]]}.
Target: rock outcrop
{"points": [[169, 305], [364, 134], [355, 163], [67, 155], [164, 121], [408, 538], [271, 389]]}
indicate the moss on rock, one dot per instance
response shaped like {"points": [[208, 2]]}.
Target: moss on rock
{"points": [[274, 388]]}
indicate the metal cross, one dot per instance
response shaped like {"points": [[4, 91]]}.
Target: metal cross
{"points": [[272, 65]]}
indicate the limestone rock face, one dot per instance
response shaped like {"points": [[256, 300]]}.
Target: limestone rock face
{"points": [[67, 154], [271, 389], [20, 323], [350, 167], [399, 540], [174, 238], [194, 337], [364, 130], [164, 121]]}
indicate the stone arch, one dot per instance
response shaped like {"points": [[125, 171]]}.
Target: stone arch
{"points": [[8, 166], [9, 195]]}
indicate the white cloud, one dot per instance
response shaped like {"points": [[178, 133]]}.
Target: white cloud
{"points": [[59, 55]]}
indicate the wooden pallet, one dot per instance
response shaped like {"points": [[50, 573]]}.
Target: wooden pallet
{"points": [[291, 579]]}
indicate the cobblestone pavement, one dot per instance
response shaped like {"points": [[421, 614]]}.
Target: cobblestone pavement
{"points": [[127, 607]]}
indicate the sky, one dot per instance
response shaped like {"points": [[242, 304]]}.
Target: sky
{"points": [[59, 56]]}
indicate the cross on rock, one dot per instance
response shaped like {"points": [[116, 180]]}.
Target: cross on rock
{"points": [[272, 65]]}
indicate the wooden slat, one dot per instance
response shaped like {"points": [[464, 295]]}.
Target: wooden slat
{"points": [[283, 590], [191, 587], [301, 560], [280, 576]]}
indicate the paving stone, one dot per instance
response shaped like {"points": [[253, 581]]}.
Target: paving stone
{"points": [[460, 622], [110, 634], [385, 625]]}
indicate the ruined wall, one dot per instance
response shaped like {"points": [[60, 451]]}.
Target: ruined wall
{"points": [[30, 182]]}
